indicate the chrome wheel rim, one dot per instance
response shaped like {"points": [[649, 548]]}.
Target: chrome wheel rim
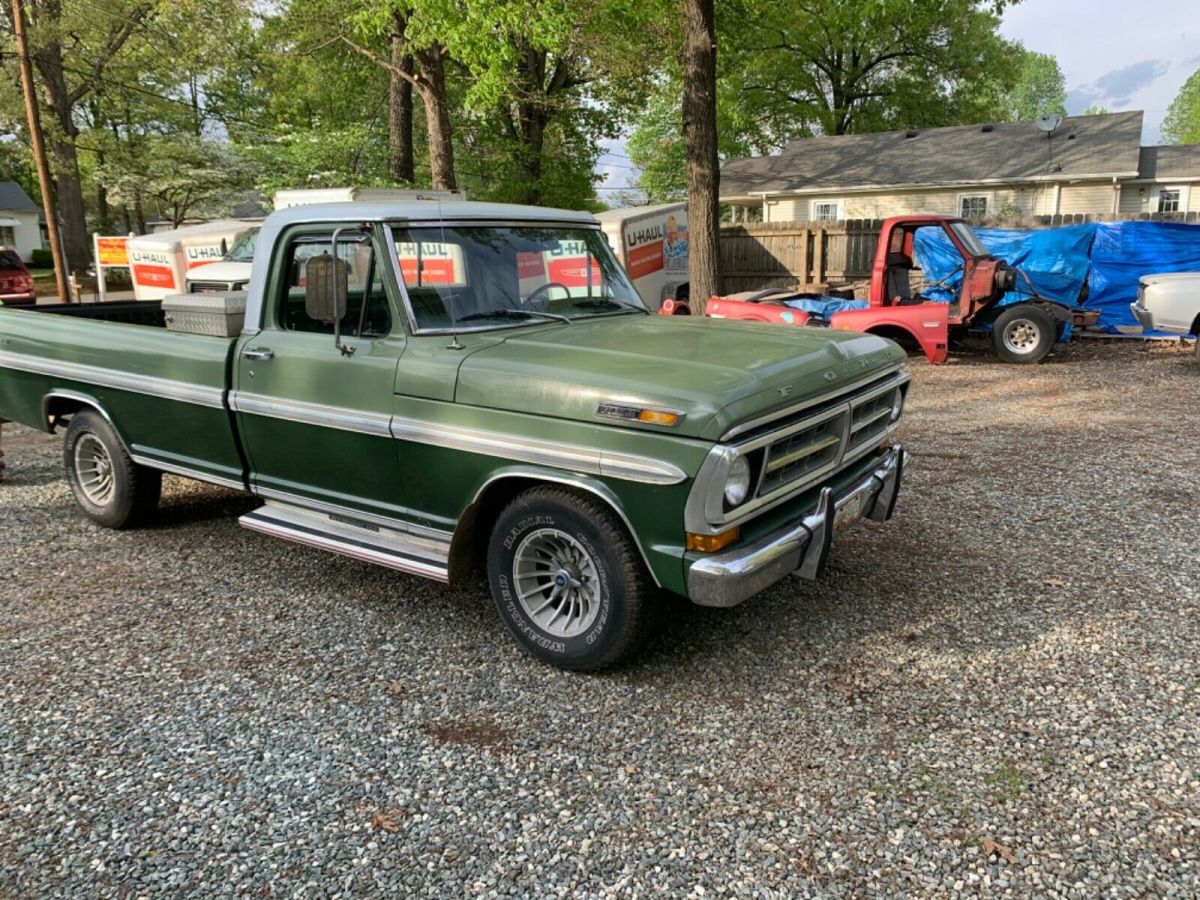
{"points": [[1022, 336], [557, 583], [94, 470]]}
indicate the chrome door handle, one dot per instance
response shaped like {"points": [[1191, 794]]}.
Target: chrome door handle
{"points": [[258, 353]]}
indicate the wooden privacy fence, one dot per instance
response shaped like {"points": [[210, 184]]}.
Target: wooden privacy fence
{"points": [[781, 254], [757, 255]]}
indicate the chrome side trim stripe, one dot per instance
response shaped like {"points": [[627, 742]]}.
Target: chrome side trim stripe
{"points": [[166, 388], [151, 463], [538, 452], [311, 413], [572, 457]]}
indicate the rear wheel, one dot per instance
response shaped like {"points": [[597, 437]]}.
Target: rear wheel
{"points": [[567, 579], [110, 488], [1024, 334]]}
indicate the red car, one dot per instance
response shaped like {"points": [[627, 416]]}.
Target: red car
{"points": [[16, 284]]}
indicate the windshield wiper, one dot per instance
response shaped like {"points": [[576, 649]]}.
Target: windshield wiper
{"points": [[609, 303], [506, 312]]}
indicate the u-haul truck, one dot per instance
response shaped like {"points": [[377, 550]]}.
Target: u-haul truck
{"points": [[232, 273], [160, 263], [652, 244]]}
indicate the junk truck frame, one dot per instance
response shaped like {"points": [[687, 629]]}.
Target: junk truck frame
{"points": [[405, 384]]}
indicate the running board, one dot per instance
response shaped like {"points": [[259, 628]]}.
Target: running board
{"points": [[359, 539]]}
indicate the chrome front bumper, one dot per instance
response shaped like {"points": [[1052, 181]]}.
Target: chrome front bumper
{"points": [[726, 579]]}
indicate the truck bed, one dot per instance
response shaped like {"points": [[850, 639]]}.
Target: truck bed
{"points": [[165, 392]]}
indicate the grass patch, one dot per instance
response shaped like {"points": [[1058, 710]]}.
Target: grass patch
{"points": [[1007, 781]]}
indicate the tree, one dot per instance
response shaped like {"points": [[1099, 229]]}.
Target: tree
{"points": [[184, 177], [1182, 123], [839, 66], [1096, 110], [699, 109], [1039, 90], [61, 29]]}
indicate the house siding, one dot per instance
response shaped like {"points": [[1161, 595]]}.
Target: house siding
{"points": [[881, 205], [1091, 197], [1134, 202], [27, 234]]}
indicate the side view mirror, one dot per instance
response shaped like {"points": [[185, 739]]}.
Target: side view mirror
{"points": [[326, 280]]}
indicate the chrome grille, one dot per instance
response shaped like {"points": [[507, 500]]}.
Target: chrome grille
{"points": [[871, 419], [802, 453]]}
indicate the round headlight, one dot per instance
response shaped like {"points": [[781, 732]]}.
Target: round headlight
{"points": [[737, 484]]}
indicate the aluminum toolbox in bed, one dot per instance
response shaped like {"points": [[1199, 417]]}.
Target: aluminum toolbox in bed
{"points": [[220, 315]]}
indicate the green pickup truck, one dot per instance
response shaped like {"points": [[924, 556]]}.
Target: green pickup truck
{"points": [[469, 388]]}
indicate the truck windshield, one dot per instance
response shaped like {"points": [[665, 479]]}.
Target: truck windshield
{"points": [[969, 239], [243, 248], [501, 276]]}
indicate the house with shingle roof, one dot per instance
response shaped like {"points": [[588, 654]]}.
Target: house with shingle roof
{"points": [[21, 225], [1092, 165]]}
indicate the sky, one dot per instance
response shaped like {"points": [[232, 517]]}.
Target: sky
{"points": [[1122, 54]]}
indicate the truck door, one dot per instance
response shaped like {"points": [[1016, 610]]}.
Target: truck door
{"points": [[315, 419]]}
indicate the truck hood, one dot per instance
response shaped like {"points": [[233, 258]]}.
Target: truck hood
{"points": [[716, 373]]}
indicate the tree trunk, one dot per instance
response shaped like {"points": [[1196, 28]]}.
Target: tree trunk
{"points": [[531, 127], [700, 138], [432, 87], [49, 63], [400, 107]]}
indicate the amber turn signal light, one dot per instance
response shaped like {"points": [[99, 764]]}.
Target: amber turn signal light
{"points": [[711, 543], [658, 417]]}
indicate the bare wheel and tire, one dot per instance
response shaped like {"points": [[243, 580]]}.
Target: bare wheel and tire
{"points": [[567, 578], [111, 488], [1024, 334]]}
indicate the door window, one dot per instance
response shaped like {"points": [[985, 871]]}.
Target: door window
{"points": [[368, 314]]}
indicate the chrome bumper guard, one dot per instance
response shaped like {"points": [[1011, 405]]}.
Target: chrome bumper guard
{"points": [[726, 579], [1143, 316]]}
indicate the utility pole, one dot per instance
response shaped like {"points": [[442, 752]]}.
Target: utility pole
{"points": [[39, 151]]}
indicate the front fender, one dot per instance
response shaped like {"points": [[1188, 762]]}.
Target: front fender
{"points": [[645, 510], [925, 323]]}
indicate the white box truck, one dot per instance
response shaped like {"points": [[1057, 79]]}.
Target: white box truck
{"points": [[161, 263], [232, 272], [652, 244]]}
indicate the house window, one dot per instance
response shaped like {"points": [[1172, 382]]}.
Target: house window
{"points": [[1168, 200], [8, 236], [826, 210], [974, 206]]}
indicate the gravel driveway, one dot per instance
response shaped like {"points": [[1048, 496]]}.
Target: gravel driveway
{"points": [[997, 693]]}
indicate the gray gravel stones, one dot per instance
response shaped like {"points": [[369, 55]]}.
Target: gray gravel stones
{"points": [[996, 694]]}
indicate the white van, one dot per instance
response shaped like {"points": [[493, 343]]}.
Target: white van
{"points": [[652, 244]]}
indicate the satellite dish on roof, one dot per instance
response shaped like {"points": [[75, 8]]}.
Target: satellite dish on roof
{"points": [[1047, 123]]}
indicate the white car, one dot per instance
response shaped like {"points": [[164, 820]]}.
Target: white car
{"points": [[1169, 302]]}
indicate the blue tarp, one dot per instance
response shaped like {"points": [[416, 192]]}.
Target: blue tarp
{"points": [[824, 307], [1110, 257], [1055, 259], [1125, 251]]}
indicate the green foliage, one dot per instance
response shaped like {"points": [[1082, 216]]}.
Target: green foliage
{"points": [[1096, 110], [41, 259], [184, 176], [1182, 123], [788, 70], [1039, 90]]}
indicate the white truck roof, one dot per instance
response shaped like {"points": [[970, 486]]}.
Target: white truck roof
{"points": [[307, 196]]}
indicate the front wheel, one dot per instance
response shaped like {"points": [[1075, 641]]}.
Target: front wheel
{"points": [[567, 579], [1023, 334], [110, 488]]}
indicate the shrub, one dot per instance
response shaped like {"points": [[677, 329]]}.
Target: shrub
{"points": [[41, 259]]}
